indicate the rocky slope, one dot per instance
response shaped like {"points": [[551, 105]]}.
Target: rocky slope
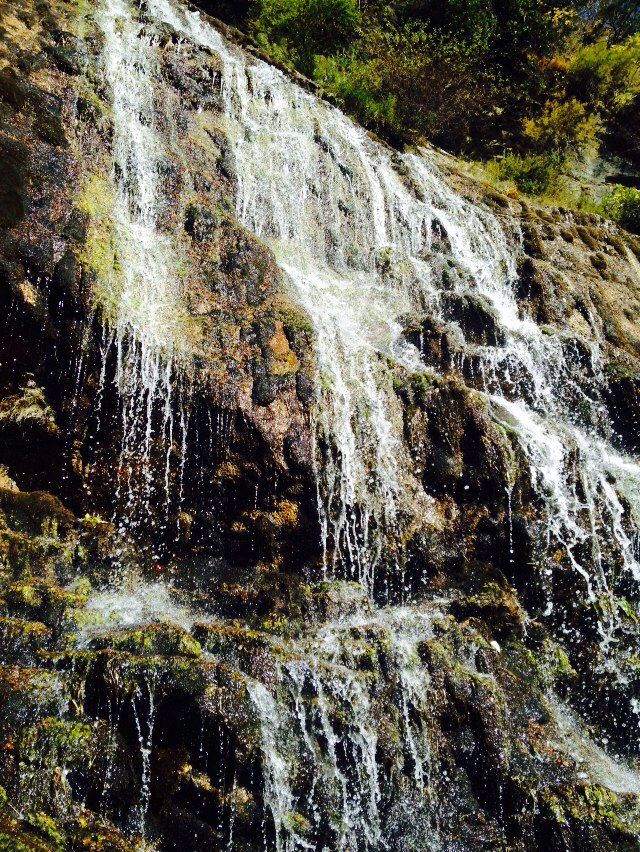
{"points": [[231, 618]]}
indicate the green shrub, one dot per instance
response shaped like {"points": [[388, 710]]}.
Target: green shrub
{"points": [[438, 86], [565, 128], [533, 174], [472, 22], [358, 85], [541, 77], [298, 30], [622, 205], [605, 76]]}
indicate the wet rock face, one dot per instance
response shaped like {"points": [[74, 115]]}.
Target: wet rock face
{"points": [[252, 362], [235, 699]]}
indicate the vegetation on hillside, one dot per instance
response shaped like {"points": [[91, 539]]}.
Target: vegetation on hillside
{"points": [[535, 86]]}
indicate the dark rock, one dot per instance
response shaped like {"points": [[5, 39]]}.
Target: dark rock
{"points": [[66, 58], [14, 175], [48, 126], [76, 226], [475, 317], [13, 90], [532, 243]]}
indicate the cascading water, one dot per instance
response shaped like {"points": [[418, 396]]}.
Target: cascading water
{"points": [[325, 695], [355, 228], [363, 236], [312, 185], [140, 294]]}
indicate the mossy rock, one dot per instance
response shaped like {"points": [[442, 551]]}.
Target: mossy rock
{"points": [[226, 639], [43, 601], [416, 388], [339, 598], [21, 639], [595, 805], [45, 556], [154, 639], [92, 833], [28, 410], [35, 512], [28, 694], [68, 741], [122, 673], [496, 606], [618, 370], [17, 836]]}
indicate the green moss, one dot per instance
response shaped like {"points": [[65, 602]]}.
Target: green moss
{"points": [[298, 823], [46, 826], [29, 405], [87, 92], [559, 663], [109, 250], [593, 804], [96, 197], [415, 388], [294, 320], [160, 672], [23, 555], [91, 522], [225, 639], [53, 740], [627, 609], [12, 842], [617, 370], [29, 694], [24, 596], [20, 636], [152, 640], [546, 667], [44, 600]]}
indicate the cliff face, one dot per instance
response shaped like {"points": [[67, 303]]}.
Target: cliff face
{"points": [[319, 495]]}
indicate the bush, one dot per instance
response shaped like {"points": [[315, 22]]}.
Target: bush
{"points": [[622, 205], [439, 86], [533, 174], [564, 128], [540, 77], [605, 76], [298, 30], [358, 85], [472, 22]]}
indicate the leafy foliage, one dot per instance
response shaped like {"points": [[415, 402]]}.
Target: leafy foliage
{"points": [[622, 205], [532, 173], [605, 76], [300, 29], [407, 81], [563, 127], [536, 83]]}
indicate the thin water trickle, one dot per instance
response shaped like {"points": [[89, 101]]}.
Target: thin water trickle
{"points": [[322, 714], [277, 771], [140, 294]]}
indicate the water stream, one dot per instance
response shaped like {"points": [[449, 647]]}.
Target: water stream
{"points": [[364, 237], [363, 234], [140, 295]]}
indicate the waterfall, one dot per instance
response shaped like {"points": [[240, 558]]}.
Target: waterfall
{"points": [[361, 233], [363, 236], [139, 293], [352, 225]]}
